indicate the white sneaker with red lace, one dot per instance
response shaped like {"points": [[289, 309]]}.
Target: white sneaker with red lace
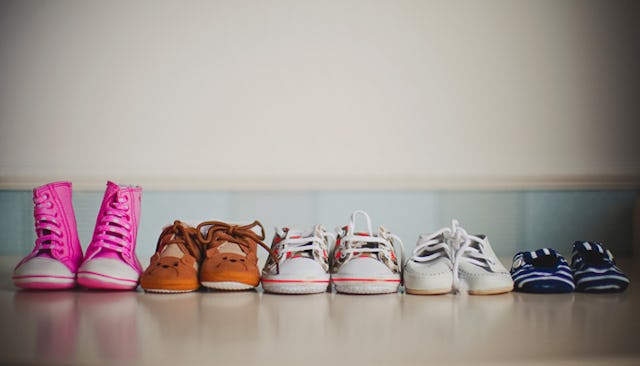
{"points": [[302, 259], [364, 262]]}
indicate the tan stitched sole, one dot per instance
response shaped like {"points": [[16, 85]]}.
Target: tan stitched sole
{"points": [[439, 291]]}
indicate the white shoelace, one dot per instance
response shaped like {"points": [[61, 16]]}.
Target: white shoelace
{"points": [[295, 241], [458, 246], [387, 242]]}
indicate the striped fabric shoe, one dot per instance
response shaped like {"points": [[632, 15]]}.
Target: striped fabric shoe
{"points": [[541, 271], [595, 270]]}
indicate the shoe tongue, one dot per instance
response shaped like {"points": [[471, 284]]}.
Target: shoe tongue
{"points": [[475, 245], [111, 254], [172, 250], [229, 247], [594, 257], [303, 254], [45, 253], [46, 232], [366, 245], [593, 253], [545, 261]]}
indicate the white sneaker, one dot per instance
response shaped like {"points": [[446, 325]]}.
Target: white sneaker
{"points": [[302, 262], [365, 263], [479, 270], [451, 254], [429, 271]]}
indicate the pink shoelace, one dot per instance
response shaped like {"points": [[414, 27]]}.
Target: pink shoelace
{"points": [[114, 228], [47, 225]]}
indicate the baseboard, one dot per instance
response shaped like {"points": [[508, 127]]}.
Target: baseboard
{"points": [[305, 183]]}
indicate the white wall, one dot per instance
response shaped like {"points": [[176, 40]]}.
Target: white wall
{"points": [[320, 94]]}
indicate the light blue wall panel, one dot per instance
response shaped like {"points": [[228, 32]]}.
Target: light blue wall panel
{"points": [[499, 215], [557, 219], [163, 208], [406, 213], [16, 222], [292, 209]]}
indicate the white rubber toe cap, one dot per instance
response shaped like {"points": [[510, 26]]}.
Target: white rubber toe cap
{"points": [[428, 276], [110, 267], [477, 279], [301, 266], [42, 266], [364, 266]]}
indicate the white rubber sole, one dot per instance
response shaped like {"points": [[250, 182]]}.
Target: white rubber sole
{"points": [[164, 291], [100, 281], [366, 289], [44, 282], [227, 286], [295, 287], [295, 283], [366, 286]]}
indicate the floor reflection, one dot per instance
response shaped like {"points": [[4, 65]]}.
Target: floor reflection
{"points": [[430, 320], [64, 322], [298, 321], [228, 325], [173, 316], [54, 318], [454, 327], [366, 324], [603, 331], [111, 318], [252, 327]]}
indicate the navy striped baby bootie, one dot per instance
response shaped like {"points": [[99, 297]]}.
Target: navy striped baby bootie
{"points": [[595, 270], [541, 271]]}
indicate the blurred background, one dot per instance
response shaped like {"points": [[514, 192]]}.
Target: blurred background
{"points": [[519, 118]]}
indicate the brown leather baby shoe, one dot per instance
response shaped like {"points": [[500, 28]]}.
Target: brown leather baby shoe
{"points": [[174, 266], [231, 261]]}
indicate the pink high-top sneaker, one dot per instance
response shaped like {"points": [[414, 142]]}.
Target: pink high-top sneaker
{"points": [[54, 261], [111, 262]]}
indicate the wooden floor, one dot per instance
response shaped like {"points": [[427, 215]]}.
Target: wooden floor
{"points": [[208, 328]]}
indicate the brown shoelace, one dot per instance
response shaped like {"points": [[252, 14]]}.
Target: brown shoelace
{"points": [[221, 232], [183, 235]]}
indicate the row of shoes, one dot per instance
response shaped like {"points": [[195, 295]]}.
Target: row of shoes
{"points": [[593, 269], [223, 256]]}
